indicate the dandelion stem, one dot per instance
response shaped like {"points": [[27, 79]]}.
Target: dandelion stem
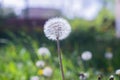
{"points": [[60, 59]]}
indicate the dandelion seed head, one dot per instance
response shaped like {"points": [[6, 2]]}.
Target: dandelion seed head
{"points": [[87, 55], [108, 55], [111, 76], [47, 72], [43, 51], [117, 72], [40, 64], [83, 76], [57, 28]]}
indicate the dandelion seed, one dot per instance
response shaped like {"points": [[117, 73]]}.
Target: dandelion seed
{"points": [[43, 51], [40, 64], [108, 55], [57, 28], [111, 77], [83, 76], [87, 55], [117, 72], [47, 72]]}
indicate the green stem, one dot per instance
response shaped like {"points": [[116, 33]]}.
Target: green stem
{"points": [[60, 59]]}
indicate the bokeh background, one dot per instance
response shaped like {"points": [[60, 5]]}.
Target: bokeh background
{"points": [[95, 28]]}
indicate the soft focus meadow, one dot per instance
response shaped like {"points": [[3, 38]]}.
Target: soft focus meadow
{"points": [[90, 52]]}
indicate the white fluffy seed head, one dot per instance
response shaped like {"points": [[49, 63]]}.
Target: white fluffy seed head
{"points": [[57, 28], [117, 72], [43, 51], [83, 76], [47, 72], [87, 55], [111, 76], [40, 64], [108, 55]]}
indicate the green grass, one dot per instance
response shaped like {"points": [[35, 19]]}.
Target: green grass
{"points": [[16, 63]]}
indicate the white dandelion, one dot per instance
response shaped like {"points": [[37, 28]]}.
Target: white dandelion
{"points": [[57, 28], [108, 55], [117, 72], [40, 64], [111, 77], [47, 72], [34, 78], [43, 51], [83, 76], [87, 55]]}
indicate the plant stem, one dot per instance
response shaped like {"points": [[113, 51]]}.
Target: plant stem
{"points": [[60, 59]]}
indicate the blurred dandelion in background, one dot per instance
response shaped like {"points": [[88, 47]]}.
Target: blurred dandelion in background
{"points": [[111, 77], [117, 72], [43, 51], [87, 55], [40, 64], [108, 55], [83, 76], [47, 72]]}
